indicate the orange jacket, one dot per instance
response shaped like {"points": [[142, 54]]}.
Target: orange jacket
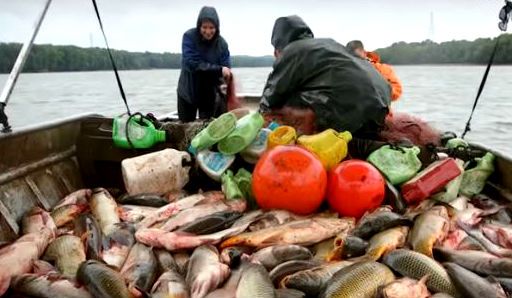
{"points": [[387, 72]]}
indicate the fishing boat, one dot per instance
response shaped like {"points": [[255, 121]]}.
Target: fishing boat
{"points": [[40, 164]]}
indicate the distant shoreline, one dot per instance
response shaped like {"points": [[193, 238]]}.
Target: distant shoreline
{"points": [[54, 58], [149, 69]]}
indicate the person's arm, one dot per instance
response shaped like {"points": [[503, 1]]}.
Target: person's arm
{"points": [[193, 59], [396, 86], [225, 56], [283, 80]]}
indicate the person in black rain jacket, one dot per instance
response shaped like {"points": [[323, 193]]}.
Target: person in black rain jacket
{"points": [[319, 74], [205, 63]]}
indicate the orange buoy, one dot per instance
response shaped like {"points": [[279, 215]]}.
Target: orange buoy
{"points": [[354, 187], [289, 178]]}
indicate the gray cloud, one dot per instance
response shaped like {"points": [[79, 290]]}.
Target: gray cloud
{"points": [[157, 25]]}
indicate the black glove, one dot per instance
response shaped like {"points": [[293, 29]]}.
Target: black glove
{"points": [[3, 118]]}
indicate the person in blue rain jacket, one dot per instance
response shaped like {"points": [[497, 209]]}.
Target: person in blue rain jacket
{"points": [[205, 65]]}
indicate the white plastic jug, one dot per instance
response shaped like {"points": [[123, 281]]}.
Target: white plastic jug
{"points": [[214, 164], [252, 153], [157, 172]]}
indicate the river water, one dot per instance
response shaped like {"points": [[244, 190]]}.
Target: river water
{"points": [[443, 95]]}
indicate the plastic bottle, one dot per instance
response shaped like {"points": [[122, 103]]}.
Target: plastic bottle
{"points": [[282, 135], [243, 179], [329, 145], [398, 165], [252, 153], [473, 180], [157, 172], [141, 132], [230, 187], [430, 180], [456, 142], [244, 133], [214, 164], [273, 125], [240, 112], [215, 131]]}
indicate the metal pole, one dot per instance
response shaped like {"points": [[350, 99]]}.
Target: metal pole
{"points": [[18, 66]]}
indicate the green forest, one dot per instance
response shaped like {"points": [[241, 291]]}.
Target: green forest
{"points": [[451, 52], [45, 58], [71, 58]]}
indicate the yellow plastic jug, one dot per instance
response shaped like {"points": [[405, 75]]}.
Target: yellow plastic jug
{"points": [[283, 135], [330, 146]]}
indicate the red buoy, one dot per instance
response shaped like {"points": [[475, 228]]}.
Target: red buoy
{"points": [[354, 187], [289, 178]]}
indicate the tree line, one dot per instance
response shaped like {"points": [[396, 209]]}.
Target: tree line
{"points": [[451, 52], [44, 58]]}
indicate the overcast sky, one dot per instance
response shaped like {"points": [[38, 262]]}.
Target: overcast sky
{"points": [[158, 25]]}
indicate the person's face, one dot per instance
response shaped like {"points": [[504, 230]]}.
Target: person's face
{"points": [[207, 30], [360, 52], [277, 53]]}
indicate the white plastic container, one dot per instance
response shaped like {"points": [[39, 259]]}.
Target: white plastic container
{"points": [[214, 164], [157, 172], [252, 153]]}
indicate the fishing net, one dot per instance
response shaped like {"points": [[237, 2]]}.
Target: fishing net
{"points": [[181, 134], [403, 127], [232, 99]]}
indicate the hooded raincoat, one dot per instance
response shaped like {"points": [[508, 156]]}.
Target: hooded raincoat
{"points": [[387, 72], [345, 93], [201, 68]]}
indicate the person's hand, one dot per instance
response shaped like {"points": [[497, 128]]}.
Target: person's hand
{"points": [[226, 73]]}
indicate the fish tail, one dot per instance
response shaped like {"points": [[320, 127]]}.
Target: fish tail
{"points": [[334, 254], [235, 240]]}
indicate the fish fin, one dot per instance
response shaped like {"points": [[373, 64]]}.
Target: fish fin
{"points": [[492, 279], [232, 241], [108, 241], [380, 292], [451, 210], [138, 292], [424, 279], [406, 222], [334, 254], [375, 254], [119, 210], [360, 259], [84, 236]]}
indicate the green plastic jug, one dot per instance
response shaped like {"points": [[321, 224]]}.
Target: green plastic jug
{"points": [[243, 179], [473, 180], [230, 187], [456, 142], [215, 131], [242, 136], [142, 133], [398, 165]]}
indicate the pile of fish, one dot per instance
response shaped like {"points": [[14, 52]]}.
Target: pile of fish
{"points": [[203, 245]]}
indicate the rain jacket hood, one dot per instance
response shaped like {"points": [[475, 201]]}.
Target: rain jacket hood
{"points": [[208, 13], [289, 29], [373, 57]]}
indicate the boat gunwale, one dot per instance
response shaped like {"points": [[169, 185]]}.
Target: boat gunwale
{"points": [[32, 128]]}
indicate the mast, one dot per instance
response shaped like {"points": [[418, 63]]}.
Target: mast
{"points": [[18, 66]]}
